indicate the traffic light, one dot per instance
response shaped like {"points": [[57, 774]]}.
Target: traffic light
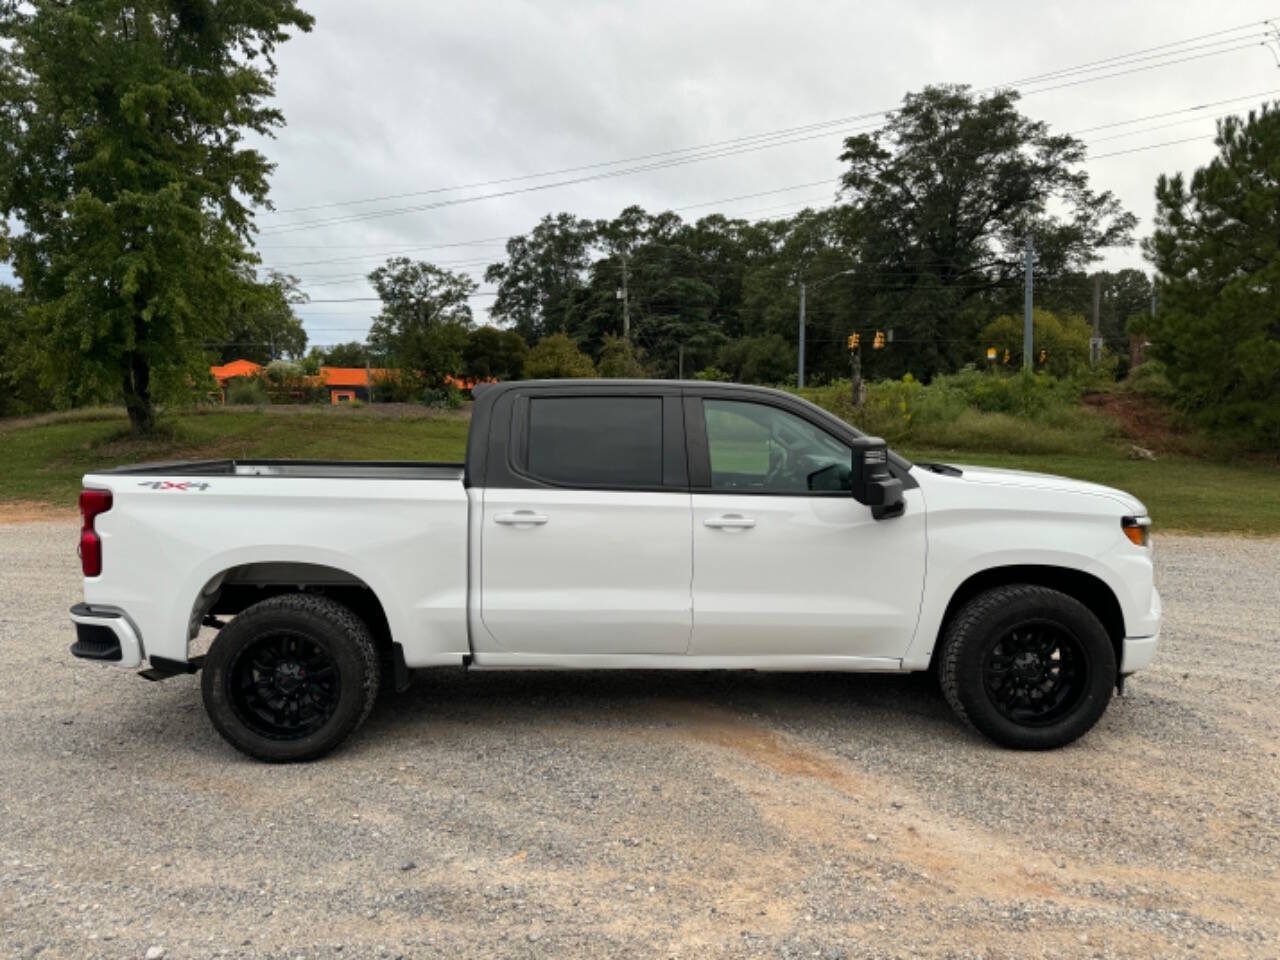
{"points": [[878, 342], [1006, 356], [1044, 355], [854, 340]]}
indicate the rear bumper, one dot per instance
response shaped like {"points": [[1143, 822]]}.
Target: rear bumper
{"points": [[105, 635]]}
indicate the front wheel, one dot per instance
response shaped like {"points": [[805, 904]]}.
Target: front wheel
{"points": [[290, 678], [1030, 667]]}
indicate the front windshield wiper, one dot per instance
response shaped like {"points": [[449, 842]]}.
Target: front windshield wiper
{"points": [[946, 469]]}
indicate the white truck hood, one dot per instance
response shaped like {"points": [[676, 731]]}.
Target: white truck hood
{"points": [[1047, 481]]}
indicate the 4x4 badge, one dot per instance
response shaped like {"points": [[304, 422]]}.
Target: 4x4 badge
{"points": [[172, 485]]}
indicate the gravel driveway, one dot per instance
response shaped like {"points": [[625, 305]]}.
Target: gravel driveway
{"points": [[642, 814]]}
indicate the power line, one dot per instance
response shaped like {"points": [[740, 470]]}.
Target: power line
{"points": [[690, 206], [351, 277], [667, 164], [1091, 66], [1149, 146]]}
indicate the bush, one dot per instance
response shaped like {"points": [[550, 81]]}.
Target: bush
{"points": [[557, 357], [281, 372], [620, 359], [714, 374], [972, 410], [447, 397], [1151, 379], [247, 391]]}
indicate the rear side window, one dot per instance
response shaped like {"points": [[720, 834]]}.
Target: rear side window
{"points": [[596, 441]]}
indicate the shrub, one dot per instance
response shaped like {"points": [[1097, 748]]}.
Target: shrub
{"points": [[1151, 379], [247, 390], [1031, 413], [556, 357], [447, 397], [620, 359], [714, 374]]}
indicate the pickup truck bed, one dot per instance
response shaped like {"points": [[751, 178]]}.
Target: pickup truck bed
{"points": [[312, 469]]}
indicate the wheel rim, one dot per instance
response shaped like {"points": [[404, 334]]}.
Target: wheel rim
{"points": [[1036, 673], [283, 685]]}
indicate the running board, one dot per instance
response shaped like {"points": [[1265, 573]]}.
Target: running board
{"points": [[680, 661]]}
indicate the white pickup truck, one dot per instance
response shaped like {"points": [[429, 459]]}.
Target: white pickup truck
{"points": [[617, 524]]}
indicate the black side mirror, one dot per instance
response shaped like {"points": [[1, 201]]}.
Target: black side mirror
{"points": [[872, 482]]}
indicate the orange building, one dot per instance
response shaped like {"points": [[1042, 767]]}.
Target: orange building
{"points": [[344, 384]]}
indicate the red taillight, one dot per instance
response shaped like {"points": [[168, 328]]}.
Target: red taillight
{"points": [[92, 503]]}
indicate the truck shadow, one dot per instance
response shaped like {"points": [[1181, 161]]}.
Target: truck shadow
{"points": [[887, 705]]}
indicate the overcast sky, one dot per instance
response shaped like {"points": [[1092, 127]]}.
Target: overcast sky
{"points": [[397, 97]]}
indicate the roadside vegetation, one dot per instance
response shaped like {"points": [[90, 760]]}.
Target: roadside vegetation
{"points": [[1025, 426]]}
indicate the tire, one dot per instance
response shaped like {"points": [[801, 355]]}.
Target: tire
{"points": [[1029, 667], [290, 678]]}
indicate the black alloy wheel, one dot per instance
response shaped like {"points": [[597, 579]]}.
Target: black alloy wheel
{"points": [[1035, 673], [284, 685]]}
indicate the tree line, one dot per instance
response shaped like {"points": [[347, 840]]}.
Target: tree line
{"points": [[925, 238], [129, 198]]}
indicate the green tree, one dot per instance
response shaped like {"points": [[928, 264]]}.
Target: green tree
{"points": [[20, 390], [261, 324], [425, 317], [557, 357], [1124, 294], [767, 359], [493, 354], [620, 359], [1216, 247], [942, 198], [122, 128], [350, 354], [541, 280], [1064, 339]]}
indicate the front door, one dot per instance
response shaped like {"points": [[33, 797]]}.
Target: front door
{"points": [[786, 562], [591, 554]]}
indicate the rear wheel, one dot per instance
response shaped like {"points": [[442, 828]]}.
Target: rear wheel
{"points": [[1030, 667], [290, 678]]}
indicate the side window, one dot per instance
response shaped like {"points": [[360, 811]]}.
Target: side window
{"points": [[756, 448], [596, 441]]}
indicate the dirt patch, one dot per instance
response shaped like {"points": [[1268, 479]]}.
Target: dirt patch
{"points": [[1143, 422], [33, 511]]}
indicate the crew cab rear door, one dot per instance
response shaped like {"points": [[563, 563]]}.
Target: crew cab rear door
{"points": [[786, 562], [585, 535]]}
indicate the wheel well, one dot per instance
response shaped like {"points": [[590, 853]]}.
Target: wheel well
{"points": [[1085, 587], [237, 588]]}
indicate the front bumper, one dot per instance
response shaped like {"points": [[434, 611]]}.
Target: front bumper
{"points": [[1138, 653], [105, 635], [1140, 650]]}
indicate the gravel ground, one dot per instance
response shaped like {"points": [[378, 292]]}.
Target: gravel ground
{"points": [[642, 814]]}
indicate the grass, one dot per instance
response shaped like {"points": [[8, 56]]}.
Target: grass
{"points": [[45, 460]]}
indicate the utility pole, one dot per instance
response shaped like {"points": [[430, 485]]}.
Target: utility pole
{"points": [[626, 302], [1095, 342], [800, 351], [1026, 318], [681, 361]]}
